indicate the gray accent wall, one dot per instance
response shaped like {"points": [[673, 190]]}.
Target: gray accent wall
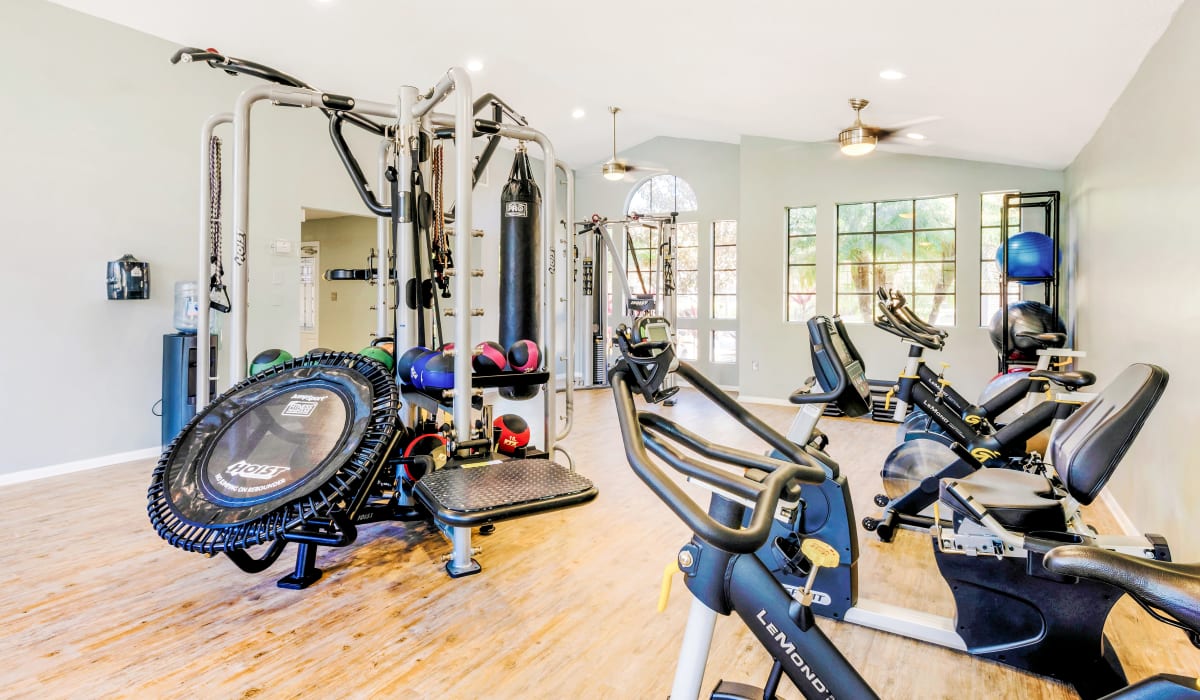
{"points": [[1133, 192]]}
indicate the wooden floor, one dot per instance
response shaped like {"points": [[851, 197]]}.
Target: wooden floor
{"points": [[94, 604]]}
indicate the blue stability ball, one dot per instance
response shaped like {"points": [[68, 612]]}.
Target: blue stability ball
{"points": [[1030, 254]]}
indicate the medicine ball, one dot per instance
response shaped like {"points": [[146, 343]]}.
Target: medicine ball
{"points": [[432, 444], [418, 368], [437, 372], [1024, 317], [268, 359], [376, 352], [514, 433], [489, 358], [446, 347], [407, 358], [318, 351], [524, 356]]}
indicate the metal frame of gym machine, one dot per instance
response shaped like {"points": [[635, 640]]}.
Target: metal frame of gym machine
{"points": [[593, 287], [413, 114]]}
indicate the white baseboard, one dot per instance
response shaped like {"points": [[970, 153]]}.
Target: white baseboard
{"points": [[80, 465], [767, 400], [1119, 514]]}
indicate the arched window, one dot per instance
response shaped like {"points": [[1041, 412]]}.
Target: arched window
{"points": [[662, 194]]}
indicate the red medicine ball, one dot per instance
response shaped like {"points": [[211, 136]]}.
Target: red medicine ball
{"points": [[489, 358], [514, 433], [524, 356]]}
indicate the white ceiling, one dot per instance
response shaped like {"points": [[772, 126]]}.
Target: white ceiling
{"points": [[1022, 81]]}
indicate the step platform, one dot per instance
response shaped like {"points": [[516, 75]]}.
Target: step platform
{"points": [[464, 497]]}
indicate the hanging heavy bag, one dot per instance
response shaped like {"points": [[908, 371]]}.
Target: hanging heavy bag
{"points": [[520, 258]]}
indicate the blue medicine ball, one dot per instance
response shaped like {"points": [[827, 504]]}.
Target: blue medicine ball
{"points": [[438, 372], [415, 374]]}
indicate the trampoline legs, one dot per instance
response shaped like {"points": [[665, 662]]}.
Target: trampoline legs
{"points": [[461, 564], [306, 572]]}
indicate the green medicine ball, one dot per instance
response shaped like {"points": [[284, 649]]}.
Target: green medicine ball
{"points": [[377, 353], [268, 359]]}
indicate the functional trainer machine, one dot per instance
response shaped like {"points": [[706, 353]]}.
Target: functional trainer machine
{"points": [[310, 449]]}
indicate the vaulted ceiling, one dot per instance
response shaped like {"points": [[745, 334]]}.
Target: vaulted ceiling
{"points": [[1023, 81]]}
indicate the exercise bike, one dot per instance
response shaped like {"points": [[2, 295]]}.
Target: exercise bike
{"points": [[748, 489]]}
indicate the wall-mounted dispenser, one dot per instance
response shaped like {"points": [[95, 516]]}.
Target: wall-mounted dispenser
{"points": [[128, 278]]}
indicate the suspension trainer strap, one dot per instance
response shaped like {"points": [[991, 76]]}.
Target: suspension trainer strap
{"points": [[216, 283]]}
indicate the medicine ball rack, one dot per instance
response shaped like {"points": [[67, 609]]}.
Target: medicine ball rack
{"points": [[210, 491]]}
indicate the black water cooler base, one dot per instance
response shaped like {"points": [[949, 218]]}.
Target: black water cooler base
{"points": [[179, 381]]}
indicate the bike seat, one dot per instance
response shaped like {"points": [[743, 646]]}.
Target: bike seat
{"points": [[1018, 500], [1045, 341], [1171, 588], [1070, 380]]}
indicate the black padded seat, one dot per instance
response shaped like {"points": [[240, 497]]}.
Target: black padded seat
{"points": [[1045, 341], [1018, 500], [1070, 380], [1171, 588]]}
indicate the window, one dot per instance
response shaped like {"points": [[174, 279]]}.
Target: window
{"points": [[686, 340], [801, 263], [641, 258], [724, 298], [687, 271], [724, 347], [662, 194], [990, 204], [904, 244]]}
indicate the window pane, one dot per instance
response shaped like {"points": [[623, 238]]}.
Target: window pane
{"points": [[893, 277], [724, 282], [855, 249], [894, 247], [725, 257], [989, 209], [935, 245], [855, 278], [725, 306], [687, 234], [687, 306], [724, 347], [801, 307], [935, 213], [662, 194], [988, 244], [934, 278], [685, 343], [802, 279], [988, 305], [802, 220], [687, 282], [989, 277], [894, 216], [724, 232], [687, 258], [856, 308], [855, 218], [935, 309], [802, 250]]}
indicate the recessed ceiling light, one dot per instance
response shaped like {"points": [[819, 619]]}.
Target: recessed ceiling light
{"points": [[475, 65], [578, 113], [891, 74], [915, 136]]}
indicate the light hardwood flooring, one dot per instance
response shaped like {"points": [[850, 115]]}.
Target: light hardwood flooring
{"points": [[94, 604]]}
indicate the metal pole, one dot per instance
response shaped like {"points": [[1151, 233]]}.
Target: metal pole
{"points": [[404, 317], [381, 244], [569, 287], [464, 132], [203, 266], [693, 656], [549, 273]]}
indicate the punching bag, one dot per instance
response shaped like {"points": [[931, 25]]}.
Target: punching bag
{"points": [[520, 260]]}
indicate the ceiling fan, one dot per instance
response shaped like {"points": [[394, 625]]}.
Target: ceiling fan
{"points": [[617, 170], [859, 139]]}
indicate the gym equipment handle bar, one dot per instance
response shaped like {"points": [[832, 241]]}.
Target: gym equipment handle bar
{"points": [[781, 477]]}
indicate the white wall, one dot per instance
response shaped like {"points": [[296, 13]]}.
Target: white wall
{"points": [[712, 171], [777, 174], [1133, 192]]}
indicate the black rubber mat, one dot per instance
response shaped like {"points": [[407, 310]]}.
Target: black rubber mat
{"points": [[491, 486]]}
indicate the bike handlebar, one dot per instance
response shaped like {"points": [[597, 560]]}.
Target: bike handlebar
{"points": [[780, 479]]}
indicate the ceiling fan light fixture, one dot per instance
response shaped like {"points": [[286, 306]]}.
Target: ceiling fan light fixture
{"points": [[857, 141], [613, 170]]}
